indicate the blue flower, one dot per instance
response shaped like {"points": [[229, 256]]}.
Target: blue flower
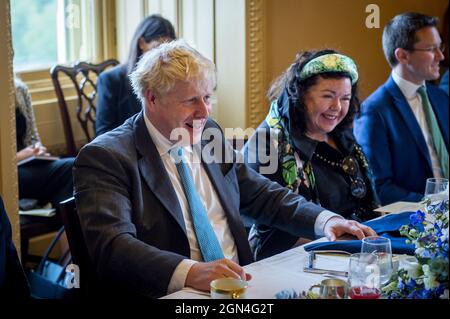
{"points": [[440, 290], [393, 295], [425, 294], [417, 218], [411, 284], [430, 238], [287, 294]]}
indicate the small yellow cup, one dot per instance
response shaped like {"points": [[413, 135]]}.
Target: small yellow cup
{"points": [[228, 288], [332, 289]]}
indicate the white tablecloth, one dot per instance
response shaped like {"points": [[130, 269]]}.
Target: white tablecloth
{"points": [[279, 272]]}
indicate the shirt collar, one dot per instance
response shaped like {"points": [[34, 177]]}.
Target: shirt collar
{"points": [[163, 145], [408, 88]]}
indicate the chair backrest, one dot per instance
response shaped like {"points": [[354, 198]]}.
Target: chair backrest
{"points": [[78, 248], [83, 77]]}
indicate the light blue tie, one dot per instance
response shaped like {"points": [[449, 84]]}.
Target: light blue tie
{"points": [[206, 238]]}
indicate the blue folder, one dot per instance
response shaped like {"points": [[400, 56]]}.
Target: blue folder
{"points": [[388, 226]]}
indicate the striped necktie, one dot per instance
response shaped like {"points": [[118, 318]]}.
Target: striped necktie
{"points": [[436, 134], [206, 238]]}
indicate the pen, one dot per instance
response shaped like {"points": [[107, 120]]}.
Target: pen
{"points": [[326, 271]]}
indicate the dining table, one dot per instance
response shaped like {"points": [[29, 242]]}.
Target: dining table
{"points": [[290, 271], [284, 272]]}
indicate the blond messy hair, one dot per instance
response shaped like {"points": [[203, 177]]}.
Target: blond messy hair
{"points": [[160, 68]]}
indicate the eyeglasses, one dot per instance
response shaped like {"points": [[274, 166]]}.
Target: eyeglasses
{"points": [[432, 49], [358, 186]]}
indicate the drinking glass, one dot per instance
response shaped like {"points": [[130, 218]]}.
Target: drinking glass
{"points": [[436, 189], [380, 247], [363, 276]]}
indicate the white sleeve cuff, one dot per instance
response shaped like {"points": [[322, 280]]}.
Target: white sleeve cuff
{"points": [[321, 220], [179, 275]]}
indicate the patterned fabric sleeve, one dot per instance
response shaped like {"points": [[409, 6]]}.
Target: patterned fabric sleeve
{"points": [[23, 102]]}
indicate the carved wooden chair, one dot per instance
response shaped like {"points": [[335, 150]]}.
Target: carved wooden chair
{"points": [[82, 76]]}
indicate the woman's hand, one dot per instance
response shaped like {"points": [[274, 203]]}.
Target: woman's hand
{"points": [[33, 150], [41, 149]]}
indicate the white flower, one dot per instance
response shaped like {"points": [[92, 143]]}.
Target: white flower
{"points": [[430, 282], [420, 251], [412, 266], [429, 279]]}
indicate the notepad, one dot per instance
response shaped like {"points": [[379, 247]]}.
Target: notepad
{"points": [[400, 207], [43, 212], [37, 158]]}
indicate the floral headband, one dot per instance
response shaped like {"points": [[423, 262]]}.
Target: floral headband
{"points": [[330, 63]]}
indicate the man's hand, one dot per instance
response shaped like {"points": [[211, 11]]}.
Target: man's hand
{"points": [[336, 227], [201, 274]]}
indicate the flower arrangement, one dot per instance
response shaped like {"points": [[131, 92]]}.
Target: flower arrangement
{"points": [[428, 277]]}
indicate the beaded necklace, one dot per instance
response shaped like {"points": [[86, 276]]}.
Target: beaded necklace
{"points": [[334, 164]]}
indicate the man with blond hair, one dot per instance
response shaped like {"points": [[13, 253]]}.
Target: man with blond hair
{"points": [[157, 215]]}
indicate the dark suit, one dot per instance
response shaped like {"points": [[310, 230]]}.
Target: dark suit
{"points": [[116, 101], [13, 283], [392, 140], [131, 218], [444, 82]]}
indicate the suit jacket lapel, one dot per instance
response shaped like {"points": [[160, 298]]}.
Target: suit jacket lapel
{"points": [[154, 172], [233, 216], [440, 116], [407, 114]]}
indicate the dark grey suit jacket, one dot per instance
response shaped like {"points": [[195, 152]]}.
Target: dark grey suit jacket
{"points": [[131, 219]]}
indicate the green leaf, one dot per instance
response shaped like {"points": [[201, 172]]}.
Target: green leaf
{"points": [[289, 171]]}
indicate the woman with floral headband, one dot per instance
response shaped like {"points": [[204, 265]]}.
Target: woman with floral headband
{"points": [[308, 133]]}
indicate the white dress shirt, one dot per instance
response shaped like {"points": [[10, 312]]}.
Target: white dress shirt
{"points": [[414, 100], [210, 200]]}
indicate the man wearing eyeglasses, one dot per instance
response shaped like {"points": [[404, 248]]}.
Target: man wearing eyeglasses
{"points": [[403, 127]]}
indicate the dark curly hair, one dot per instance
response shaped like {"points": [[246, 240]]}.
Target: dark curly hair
{"points": [[297, 89]]}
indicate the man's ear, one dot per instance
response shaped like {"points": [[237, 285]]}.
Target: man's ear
{"points": [[402, 56], [150, 98]]}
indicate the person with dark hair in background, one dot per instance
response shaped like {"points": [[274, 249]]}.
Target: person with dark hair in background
{"points": [[116, 101], [403, 127], [13, 283], [309, 128]]}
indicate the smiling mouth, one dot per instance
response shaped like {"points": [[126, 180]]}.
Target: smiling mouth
{"points": [[330, 117], [196, 124]]}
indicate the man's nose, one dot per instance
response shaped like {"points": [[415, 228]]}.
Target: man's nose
{"points": [[203, 108], [440, 54]]}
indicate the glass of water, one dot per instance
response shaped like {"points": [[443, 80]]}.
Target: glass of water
{"points": [[363, 276], [436, 190], [380, 247]]}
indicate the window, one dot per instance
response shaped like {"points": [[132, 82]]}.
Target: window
{"points": [[48, 32], [34, 33]]}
